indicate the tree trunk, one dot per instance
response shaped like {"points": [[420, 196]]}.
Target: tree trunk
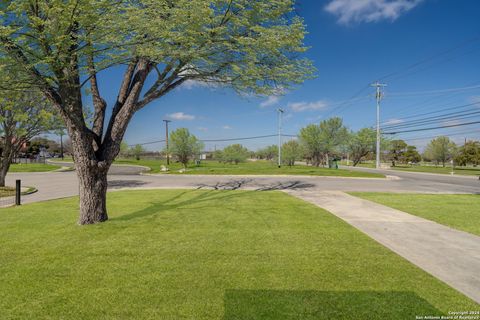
{"points": [[93, 193], [5, 161], [5, 165]]}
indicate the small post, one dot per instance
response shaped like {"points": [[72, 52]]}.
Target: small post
{"points": [[166, 140], [18, 192], [280, 113]]}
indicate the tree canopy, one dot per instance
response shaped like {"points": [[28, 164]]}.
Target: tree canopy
{"points": [[23, 115], [361, 144], [440, 150], [184, 145], [252, 46]]}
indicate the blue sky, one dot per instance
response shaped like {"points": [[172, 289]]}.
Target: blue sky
{"points": [[353, 43]]}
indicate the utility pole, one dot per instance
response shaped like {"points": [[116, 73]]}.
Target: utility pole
{"points": [[280, 113], [166, 140], [379, 96], [61, 145]]}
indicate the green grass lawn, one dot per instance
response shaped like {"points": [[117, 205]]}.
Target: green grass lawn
{"points": [[461, 212], [200, 254], [248, 168], [32, 167], [361, 164], [440, 169]]}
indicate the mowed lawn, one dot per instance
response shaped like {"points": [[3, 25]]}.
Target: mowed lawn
{"points": [[467, 171], [248, 168], [201, 254], [461, 212], [32, 167]]}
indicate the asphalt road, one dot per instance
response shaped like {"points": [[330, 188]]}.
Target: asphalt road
{"points": [[52, 185]]}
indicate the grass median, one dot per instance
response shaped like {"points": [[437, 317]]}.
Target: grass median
{"points": [[32, 167], [461, 212], [464, 171], [197, 254], [248, 168]]}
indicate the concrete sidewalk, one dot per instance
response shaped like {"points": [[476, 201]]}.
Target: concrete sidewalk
{"points": [[450, 255]]}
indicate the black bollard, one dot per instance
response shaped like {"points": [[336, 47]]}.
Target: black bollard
{"points": [[18, 192]]}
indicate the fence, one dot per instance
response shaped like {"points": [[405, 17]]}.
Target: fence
{"points": [[41, 160]]}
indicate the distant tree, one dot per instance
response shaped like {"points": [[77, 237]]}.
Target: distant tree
{"points": [[235, 153], [38, 144], [311, 140], [268, 153], [441, 150], [469, 153], [411, 155], [291, 151], [138, 150], [23, 115], [361, 143], [333, 134], [124, 149], [217, 155], [396, 151], [184, 145]]}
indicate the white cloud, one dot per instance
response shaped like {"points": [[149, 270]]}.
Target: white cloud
{"points": [[202, 129], [226, 127], [393, 121], [474, 99], [271, 101], [348, 11], [181, 116], [451, 122], [194, 84], [307, 106]]}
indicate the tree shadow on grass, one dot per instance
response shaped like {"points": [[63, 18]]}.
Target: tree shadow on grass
{"points": [[176, 202], [118, 184], [242, 183], [211, 192], [309, 305]]}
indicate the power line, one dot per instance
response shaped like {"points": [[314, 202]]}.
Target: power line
{"points": [[448, 90], [146, 143], [438, 111], [434, 128], [430, 58], [448, 135], [238, 139], [444, 117], [224, 140], [346, 104]]}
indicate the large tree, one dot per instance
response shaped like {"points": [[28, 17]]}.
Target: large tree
{"points": [[441, 150], [291, 151], [23, 115], [396, 151], [253, 46], [311, 141], [333, 134], [184, 146], [235, 153], [469, 153], [361, 144]]}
